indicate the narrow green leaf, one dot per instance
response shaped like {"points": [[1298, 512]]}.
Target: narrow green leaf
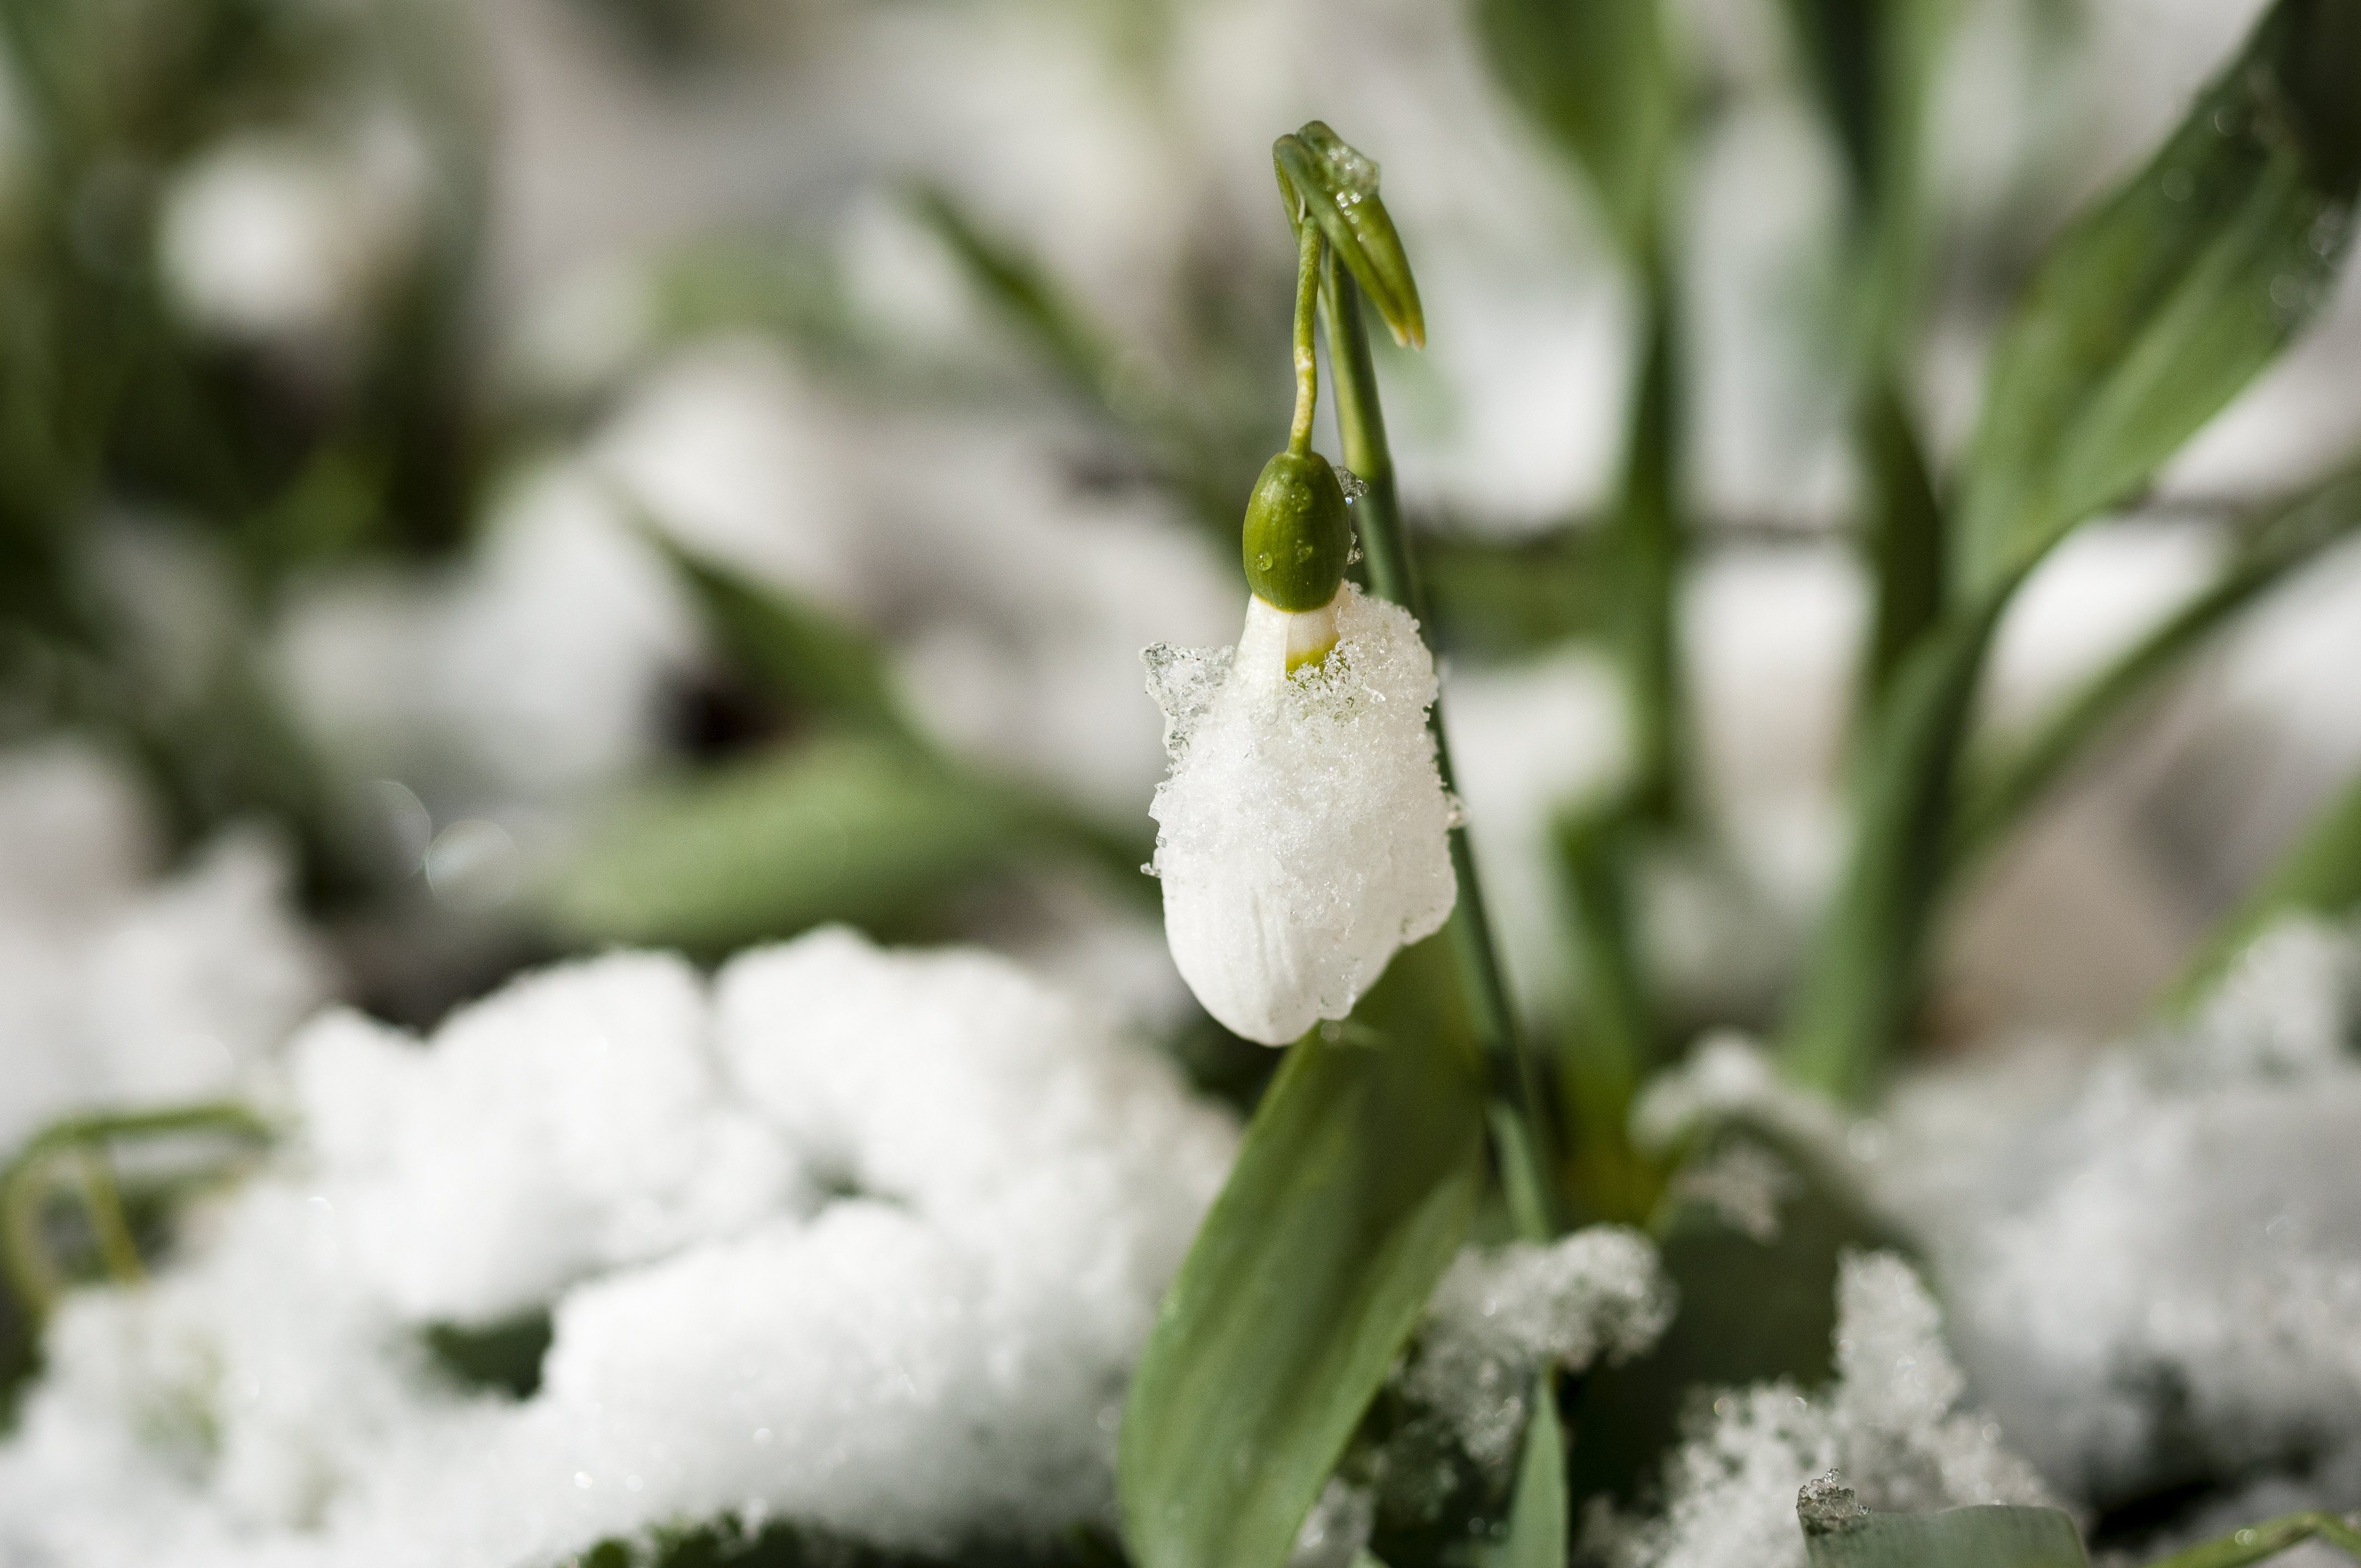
{"points": [[2280, 544], [1355, 1185], [800, 654], [2153, 309], [1325, 179], [1905, 537], [847, 830], [2320, 874], [1861, 981], [2257, 1541], [1018, 285], [1537, 1516], [1598, 78], [1611, 1042], [1986, 1535]]}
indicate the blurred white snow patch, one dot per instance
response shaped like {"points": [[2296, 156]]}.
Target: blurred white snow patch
{"points": [[1336, 1530], [1729, 1077], [279, 239], [2088, 601], [1502, 1315], [1774, 638], [1766, 291], [732, 455], [573, 1121], [117, 991], [1082, 936], [77, 838], [1021, 601], [532, 673], [1890, 1421], [2164, 1267], [936, 1353], [1531, 743]]}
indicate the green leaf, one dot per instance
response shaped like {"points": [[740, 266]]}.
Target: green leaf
{"points": [[2285, 541], [2255, 1542], [1904, 537], [2153, 309], [1986, 1535], [800, 654], [848, 830], [1537, 1517], [1324, 178], [1595, 76], [1756, 1302], [1355, 1186], [1023, 291], [1860, 984], [2319, 875]]}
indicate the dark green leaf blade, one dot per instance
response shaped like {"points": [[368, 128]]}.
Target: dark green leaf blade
{"points": [[2155, 307], [797, 651], [1537, 1515], [850, 829], [1356, 1186], [1599, 78], [1986, 1535]]}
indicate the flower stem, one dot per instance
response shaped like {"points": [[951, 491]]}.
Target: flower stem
{"points": [[32, 1274], [2256, 1542], [1307, 367], [1521, 1138]]}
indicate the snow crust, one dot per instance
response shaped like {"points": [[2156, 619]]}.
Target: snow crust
{"points": [[2158, 1272], [1891, 1422], [865, 1239], [1303, 834], [1501, 1315]]}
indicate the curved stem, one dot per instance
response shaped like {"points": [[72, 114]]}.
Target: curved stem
{"points": [[32, 1274], [110, 1226], [1307, 368], [1521, 1139]]}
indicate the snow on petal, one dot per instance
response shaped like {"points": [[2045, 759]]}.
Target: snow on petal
{"points": [[1303, 833]]}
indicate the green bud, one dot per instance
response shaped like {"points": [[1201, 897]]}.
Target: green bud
{"points": [[1298, 538]]}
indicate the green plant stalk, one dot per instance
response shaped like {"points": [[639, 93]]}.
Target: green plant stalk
{"points": [[32, 1275], [109, 1225], [1521, 1138], [2255, 1543], [1862, 981], [1647, 548], [1904, 537], [1603, 1068], [1307, 364]]}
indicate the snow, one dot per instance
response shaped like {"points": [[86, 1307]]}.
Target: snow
{"points": [[2160, 1266], [1891, 1423], [1303, 833], [1501, 1315], [864, 1239], [116, 990]]}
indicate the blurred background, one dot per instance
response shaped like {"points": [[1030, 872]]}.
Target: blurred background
{"points": [[485, 480]]}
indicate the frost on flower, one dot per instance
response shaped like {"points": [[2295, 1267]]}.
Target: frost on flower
{"points": [[1303, 833], [2164, 1268], [863, 1240], [1891, 1422], [1501, 1315]]}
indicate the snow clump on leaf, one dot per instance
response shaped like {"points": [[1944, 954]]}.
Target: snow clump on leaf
{"points": [[1890, 1421]]}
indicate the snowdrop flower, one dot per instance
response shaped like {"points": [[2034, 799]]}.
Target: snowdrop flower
{"points": [[1303, 832]]}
